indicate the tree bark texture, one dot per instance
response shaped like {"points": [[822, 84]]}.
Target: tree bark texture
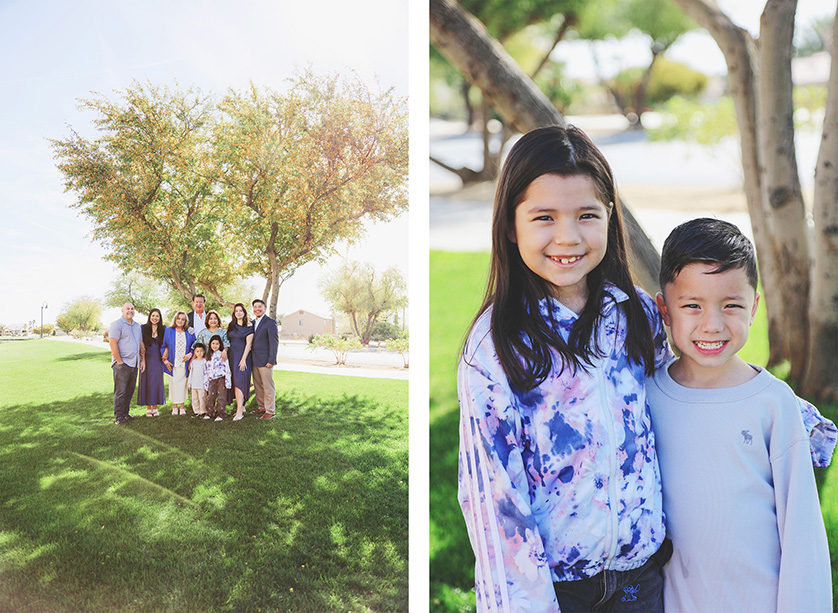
{"points": [[742, 62], [780, 181], [464, 41], [819, 380]]}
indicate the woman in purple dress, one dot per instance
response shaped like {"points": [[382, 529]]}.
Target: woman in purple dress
{"points": [[240, 335], [151, 393]]}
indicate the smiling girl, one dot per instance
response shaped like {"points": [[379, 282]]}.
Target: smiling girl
{"points": [[559, 482]]}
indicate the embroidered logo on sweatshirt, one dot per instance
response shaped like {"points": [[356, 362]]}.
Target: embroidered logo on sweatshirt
{"points": [[630, 592], [746, 437]]}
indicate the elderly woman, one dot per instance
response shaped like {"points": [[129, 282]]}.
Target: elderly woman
{"points": [[177, 351], [213, 328]]}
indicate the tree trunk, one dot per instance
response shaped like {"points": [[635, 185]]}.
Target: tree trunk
{"points": [[780, 183], [819, 380], [464, 41], [739, 52], [271, 251]]}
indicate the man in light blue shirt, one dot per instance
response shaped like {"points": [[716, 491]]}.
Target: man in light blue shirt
{"points": [[127, 353]]}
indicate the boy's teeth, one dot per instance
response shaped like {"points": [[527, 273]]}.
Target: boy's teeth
{"points": [[715, 345]]}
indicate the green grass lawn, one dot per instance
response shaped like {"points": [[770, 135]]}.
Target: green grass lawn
{"points": [[306, 512], [457, 283]]}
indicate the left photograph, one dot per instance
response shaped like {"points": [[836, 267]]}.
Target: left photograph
{"points": [[204, 336]]}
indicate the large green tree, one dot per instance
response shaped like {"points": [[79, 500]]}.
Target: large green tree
{"points": [[146, 182], [198, 194], [303, 169]]}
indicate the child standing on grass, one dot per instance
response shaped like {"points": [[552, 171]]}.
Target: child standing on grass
{"points": [[195, 381], [739, 491], [558, 478], [216, 380]]}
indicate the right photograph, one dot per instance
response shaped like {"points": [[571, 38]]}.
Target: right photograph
{"points": [[633, 306]]}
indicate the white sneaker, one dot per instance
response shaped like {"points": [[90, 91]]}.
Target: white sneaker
{"points": [[207, 417], [182, 411], [174, 411], [218, 419]]}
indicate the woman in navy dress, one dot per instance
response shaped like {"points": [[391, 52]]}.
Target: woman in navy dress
{"points": [[151, 393], [240, 335]]}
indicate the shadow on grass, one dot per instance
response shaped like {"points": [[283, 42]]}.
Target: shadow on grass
{"points": [[306, 512], [98, 356]]}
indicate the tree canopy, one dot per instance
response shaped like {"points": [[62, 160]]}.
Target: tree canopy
{"points": [[198, 193]]}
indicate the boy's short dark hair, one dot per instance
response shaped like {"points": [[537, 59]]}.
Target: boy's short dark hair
{"points": [[708, 241], [199, 346]]}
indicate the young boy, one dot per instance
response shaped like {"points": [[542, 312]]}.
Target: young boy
{"points": [[739, 492], [195, 381]]}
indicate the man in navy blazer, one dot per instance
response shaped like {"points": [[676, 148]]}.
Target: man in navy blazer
{"points": [[263, 350]]}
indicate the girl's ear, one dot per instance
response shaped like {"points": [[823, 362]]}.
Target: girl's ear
{"points": [[659, 300]]}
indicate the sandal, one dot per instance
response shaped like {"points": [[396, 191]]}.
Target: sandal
{"points": [[149, 413]]}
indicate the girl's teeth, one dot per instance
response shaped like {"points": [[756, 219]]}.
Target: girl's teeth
{"points": [[567, 260], [715, 345]]}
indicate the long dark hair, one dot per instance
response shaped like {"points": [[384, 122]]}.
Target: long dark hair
{"points": [[147, 331], [233, 318], [522, 335], [210, 350]]}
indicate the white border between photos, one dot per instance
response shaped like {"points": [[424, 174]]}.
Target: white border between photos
{"points": [[418, 15]]}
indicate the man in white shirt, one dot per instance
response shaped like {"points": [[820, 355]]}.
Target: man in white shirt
{"points": [[197, 316]]}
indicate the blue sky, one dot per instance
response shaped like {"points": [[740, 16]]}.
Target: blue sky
{"points": [[57, 52]]}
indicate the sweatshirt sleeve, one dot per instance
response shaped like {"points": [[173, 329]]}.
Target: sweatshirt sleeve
{"points": [[822, 434], [805, 582], [511, 572]]}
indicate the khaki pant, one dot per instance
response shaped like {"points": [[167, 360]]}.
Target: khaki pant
{"points": [[263, 386], [199, 400]]}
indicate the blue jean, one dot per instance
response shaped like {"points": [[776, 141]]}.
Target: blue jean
{"points": [[124, 384], [633, 591]]}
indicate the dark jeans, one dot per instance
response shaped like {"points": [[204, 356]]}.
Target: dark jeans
{"points": [[632, 591], [124, 384]]}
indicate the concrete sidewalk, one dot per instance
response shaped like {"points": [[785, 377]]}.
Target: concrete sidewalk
{"points": [[294, 357]]}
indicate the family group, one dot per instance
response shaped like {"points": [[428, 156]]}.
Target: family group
{"points": [[213, 364], [598, 472]]}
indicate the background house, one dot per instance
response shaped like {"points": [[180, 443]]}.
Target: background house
{"points": [[299, 325]]}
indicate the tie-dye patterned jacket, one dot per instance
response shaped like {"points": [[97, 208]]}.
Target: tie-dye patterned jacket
{"points": [[561, 482]]}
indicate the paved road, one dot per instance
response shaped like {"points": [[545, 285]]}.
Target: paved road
{"points": [[293, 356], [462, 221]]}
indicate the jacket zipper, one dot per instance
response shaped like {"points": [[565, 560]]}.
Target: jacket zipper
{"points": [[612, 464]]}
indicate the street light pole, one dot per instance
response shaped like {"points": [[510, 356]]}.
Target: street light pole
{"points": [[43, 306]]}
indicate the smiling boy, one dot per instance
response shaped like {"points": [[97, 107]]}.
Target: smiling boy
{"points": [[735, 445]]}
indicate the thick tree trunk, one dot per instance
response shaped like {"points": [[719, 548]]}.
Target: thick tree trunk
{"points": [[462, 39], [780, 182], [821, 377], [482, 60], [739, 52]]}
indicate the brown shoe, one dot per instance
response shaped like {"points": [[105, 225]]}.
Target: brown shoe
{"points": [[257, 411], [268, 416]]}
